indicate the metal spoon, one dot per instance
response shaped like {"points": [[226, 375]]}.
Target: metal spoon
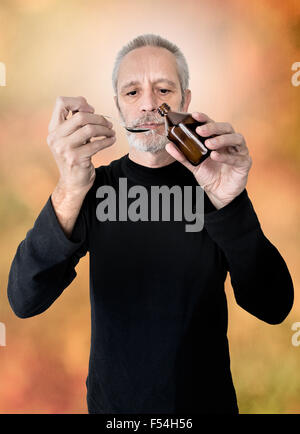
{"points": [[135, 130]]}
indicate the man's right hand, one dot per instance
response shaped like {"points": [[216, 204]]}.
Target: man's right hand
{"points": [[67, 138]]}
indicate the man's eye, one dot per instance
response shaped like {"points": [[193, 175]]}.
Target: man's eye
{"points": [[164, 91], [132, 93]]}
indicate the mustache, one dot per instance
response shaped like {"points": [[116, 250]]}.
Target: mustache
{"points": [[153, 119]]}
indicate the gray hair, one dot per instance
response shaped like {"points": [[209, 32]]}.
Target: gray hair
{"points": [[154, 41]]}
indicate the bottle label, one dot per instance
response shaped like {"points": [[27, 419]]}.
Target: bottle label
{"points": [[192, 136]]}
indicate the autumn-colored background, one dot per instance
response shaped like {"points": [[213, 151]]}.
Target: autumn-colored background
{"points": [[240, 56]]}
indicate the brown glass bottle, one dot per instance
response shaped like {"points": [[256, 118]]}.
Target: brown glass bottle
{"points": [[180, 129]]}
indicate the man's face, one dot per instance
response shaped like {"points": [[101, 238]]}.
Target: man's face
{"points": [[147, 78]]}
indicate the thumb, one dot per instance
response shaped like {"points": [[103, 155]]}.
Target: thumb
{"points": [[179, 156], [202, 179]]}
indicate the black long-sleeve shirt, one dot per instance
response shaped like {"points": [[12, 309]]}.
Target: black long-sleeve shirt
{"points": [[158, 307]]}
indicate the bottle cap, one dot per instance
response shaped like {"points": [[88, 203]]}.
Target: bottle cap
{"points": [[163, 109]]}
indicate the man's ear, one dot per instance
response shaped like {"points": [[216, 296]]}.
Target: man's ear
{"points": [[117, 102], [187, 100]]}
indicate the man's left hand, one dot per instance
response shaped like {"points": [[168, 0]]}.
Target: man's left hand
{"points": [[224, 173]]}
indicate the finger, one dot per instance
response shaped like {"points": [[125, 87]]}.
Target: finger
{"points": [[228, 140], [211, 128], [236, 160], [86, 132], [92, 148], [79, 119], [178, 155], [65, 104], [201, 117]]}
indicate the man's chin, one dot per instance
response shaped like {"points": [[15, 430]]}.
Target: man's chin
{"points": [[148, 148], [153, 146]]}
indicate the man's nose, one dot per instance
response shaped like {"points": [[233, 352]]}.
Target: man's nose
{"points": [[149, 102]]}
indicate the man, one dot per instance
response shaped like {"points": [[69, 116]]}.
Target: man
{"points": [[159, 311]]}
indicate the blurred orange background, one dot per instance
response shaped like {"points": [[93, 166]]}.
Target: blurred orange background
{"points": [[240, 56]]}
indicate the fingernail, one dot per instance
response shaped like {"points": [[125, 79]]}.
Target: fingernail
{"points": [[202, 129], [211, 142]]}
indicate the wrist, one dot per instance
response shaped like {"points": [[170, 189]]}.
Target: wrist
{"points": [[67, 202], [217, 203], [70, 194]]}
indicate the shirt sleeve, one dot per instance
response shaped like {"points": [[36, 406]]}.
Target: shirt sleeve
{"points": [[260, 278], [44, 263]]}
